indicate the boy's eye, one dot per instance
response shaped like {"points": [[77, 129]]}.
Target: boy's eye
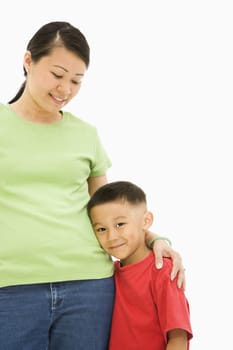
{"points": [[100, 229], [120, 224]]}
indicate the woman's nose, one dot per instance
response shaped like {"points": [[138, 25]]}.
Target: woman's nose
{"points": [[64, 88]]}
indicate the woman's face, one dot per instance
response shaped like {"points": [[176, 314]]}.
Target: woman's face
{"points": [[54, 80]]}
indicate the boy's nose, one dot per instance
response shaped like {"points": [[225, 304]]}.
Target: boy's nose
{"points": [[112, 234]]}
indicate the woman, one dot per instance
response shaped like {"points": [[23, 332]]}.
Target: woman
{"points": [[56, 288]]}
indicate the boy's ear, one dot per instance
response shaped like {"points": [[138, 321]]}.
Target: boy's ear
{"points": [[148, 220]]}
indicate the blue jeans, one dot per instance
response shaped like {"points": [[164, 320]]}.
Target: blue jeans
{"points": [[57, 316]]}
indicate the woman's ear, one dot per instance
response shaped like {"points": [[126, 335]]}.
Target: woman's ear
{"points": [[148, 220], [27, 60]]}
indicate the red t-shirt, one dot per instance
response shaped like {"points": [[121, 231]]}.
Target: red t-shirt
{"points": [[147, 305]]}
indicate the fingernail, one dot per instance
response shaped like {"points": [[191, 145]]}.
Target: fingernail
{"points": [[159, 265]]}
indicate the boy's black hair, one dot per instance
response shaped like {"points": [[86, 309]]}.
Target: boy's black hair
{"points": [[118, 190]]}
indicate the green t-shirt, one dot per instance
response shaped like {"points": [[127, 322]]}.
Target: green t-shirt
{"points": [[45, 233]]}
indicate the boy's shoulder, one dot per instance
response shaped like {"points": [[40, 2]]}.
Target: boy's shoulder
{"points": [[163, 272], [147, 264]]}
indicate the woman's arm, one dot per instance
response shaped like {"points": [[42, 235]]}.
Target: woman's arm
{"points": [[161, 249], [95, 182]]}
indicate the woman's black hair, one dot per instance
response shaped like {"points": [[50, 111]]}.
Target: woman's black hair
{"points": [[56, 34]]}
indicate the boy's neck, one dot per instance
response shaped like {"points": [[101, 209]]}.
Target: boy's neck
{"points": [[136, 257]]}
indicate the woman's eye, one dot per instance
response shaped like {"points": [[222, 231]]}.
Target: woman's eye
{"points": [[57, 76]]}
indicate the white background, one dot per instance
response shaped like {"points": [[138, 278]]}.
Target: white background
{"points": [[159, 89]]}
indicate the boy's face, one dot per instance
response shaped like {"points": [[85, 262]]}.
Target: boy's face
{"points": [[120, 229]]}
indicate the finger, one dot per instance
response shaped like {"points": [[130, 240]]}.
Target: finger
{"points": [[158, 260], [181, 281], [177, 269]]}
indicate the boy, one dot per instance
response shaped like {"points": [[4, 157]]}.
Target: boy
{"points": [[150, 311]]}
